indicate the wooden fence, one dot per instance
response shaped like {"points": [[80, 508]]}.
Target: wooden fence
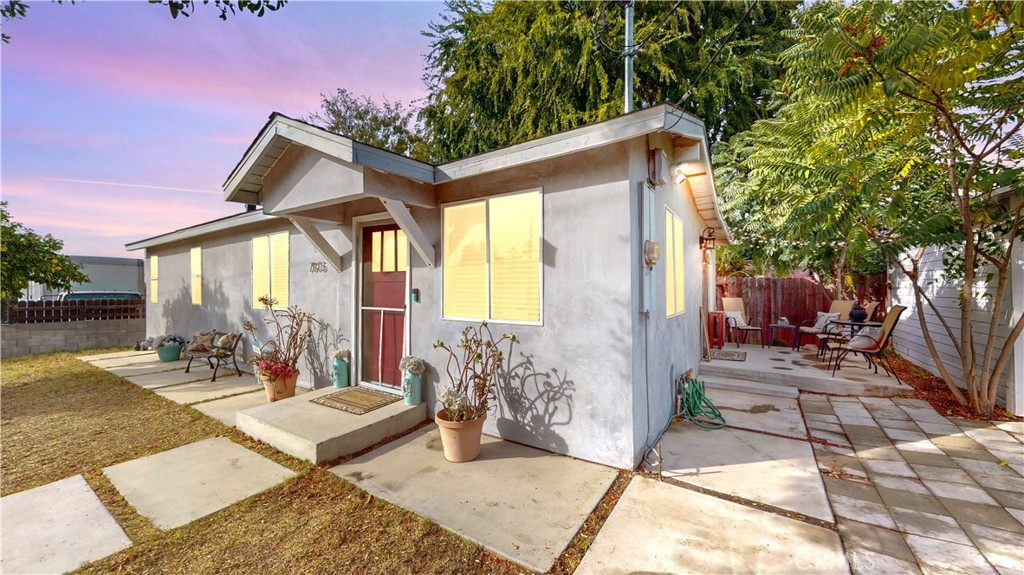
{"points": [[67, 311], [796, 298]]}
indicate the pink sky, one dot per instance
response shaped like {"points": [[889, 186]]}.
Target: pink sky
{"points": [[118, 123]]}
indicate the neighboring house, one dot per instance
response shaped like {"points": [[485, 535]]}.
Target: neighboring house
{"points": [[545, 239], [105, 274], [909, 341]]}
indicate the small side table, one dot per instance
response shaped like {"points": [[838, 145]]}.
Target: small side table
{"points": [[792, 328]]}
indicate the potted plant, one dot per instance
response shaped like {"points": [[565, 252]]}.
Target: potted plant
{"points": [[169, 348], [464, 402], [412, 379], [276, 360], [339, 371]]}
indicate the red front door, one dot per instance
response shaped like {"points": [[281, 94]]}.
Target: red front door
{"points": [[385, 254]]}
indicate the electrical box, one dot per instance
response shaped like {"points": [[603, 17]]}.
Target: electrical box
{"points": [[657, 166]]}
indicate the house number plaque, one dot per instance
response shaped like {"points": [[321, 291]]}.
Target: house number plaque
{"points": [[318, 268]]}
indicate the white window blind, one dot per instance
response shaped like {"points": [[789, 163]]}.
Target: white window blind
{"points": [[674, 284], [196, 265], [154, 267], [270, 268]]}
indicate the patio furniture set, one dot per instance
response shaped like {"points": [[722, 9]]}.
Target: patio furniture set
{"points": [[844, 329]]}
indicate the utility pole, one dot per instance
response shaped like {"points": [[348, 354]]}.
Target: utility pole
{"points": [[627, 55]]}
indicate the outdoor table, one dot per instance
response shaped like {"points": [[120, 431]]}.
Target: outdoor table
{"points": [[858, 325], [794, 332]]}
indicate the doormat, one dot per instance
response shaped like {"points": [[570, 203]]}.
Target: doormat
{"points": [[729, 354], [357, 400]]}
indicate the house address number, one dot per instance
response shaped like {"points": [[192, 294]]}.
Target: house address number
{"points": [[318, 268]]}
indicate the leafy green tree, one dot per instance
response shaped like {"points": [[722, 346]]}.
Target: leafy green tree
{"points": [[390, 126], [26, 256], [514, 71], [14, 9], [902, 130]]}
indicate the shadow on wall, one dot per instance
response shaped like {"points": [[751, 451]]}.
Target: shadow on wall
{"points": [[320, 352], [181, 316], [534, 403]]}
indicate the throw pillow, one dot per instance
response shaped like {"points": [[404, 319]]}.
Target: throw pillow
{"points": [[822, 319], [202, 341], [158, 340], [224, 343], [866, 338], [737, 317]]}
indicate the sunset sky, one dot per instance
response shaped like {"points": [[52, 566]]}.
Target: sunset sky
{"points": [[121, 123]]}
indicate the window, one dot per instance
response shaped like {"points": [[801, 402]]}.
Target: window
{"points": [[389, 251], [197, 275], [673, 264], [270, 268], [492, 259], [153, 274]]}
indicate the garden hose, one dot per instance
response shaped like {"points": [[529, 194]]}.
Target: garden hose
{"points": [[696, 406]]}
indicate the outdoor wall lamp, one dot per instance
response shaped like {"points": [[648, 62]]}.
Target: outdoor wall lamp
{"points": [[707, 239], [685, 170]]}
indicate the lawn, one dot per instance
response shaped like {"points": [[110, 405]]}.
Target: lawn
{"points": [[60, 417]]}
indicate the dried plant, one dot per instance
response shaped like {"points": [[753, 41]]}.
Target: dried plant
{"points": [[292, 328], [412, 364], [472, 372]]}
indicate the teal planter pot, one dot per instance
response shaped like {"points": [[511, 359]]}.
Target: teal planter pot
{"points": [[412, 388], [169, 352], [339, 373]]}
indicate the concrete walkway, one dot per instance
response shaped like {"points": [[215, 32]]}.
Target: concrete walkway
{"points": [[916, 492]]}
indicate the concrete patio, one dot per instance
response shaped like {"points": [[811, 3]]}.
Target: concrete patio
{"points": [[804, 370]]}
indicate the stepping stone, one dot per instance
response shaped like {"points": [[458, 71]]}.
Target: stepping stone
{"points": [[112, 355], [662, 528], [779, 415], [189, 393], [165, 378], [521, 503], [763, 468], [57, 527], [224, 410], [181, 485]]}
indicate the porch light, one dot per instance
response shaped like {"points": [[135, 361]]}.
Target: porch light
{"points": [[685, 170], [707, 239]]}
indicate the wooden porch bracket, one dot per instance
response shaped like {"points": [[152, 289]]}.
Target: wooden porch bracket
{"points": [[412, 230], [318, 240]]}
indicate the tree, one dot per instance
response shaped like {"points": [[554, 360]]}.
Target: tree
{"points": [[521, 70], [15, 9], [903, 121], [26, 256], [390, 126]]}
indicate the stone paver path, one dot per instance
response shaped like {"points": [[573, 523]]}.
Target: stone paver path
{"points": [[915, 492]]}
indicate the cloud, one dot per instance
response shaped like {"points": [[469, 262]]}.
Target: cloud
{"points": [[138, 186]]}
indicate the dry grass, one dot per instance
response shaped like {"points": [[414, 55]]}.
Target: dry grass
{"points": [[61, 417]]}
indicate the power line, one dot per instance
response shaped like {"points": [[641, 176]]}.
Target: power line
{"points": [[689, 91], [632, 49]]}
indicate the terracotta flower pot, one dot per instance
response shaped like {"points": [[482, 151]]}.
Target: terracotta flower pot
{"points": [[280, 388], [461, 439]]}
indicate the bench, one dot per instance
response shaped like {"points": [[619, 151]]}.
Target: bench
{"points": [[216, 350]]}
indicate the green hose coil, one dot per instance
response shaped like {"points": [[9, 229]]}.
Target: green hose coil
{"points": [[697, 407]]}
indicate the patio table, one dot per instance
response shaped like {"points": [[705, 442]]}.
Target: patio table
{"points": [[793, 334]]}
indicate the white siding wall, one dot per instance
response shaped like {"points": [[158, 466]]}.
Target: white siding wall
{"points": [[909, 341]]}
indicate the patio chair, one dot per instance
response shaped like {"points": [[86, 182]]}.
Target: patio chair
{"points": [[872, 309], [869, 344], [216, 348], [736, 322], [819, 327]]}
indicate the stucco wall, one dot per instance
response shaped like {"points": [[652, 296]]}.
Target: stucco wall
{"points": [[227, 291], [30, 338], [569, 388]]}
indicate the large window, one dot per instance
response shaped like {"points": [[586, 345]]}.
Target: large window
{"points": [[492, 259], [154, 265], [196, 266], [270, 268], [673, 264]]}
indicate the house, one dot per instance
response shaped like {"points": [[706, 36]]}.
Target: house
{"points": [[105, 274], [586, 244], [943, 291]]}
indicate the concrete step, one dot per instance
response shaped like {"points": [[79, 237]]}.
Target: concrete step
{"points": [[317, 433], [746, 386], [843, 384]]}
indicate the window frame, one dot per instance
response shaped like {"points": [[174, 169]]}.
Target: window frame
{"points": [[487, 256], [154, 278], [679, 275], [196, 301], [270, 267]]}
